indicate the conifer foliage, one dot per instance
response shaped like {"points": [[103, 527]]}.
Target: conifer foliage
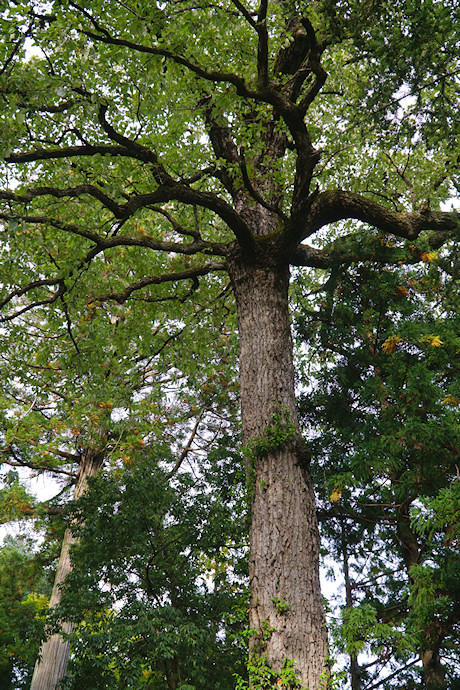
{"points": [[386, 442]]}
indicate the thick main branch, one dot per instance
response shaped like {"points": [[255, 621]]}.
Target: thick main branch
{"points": [[336, 205]]}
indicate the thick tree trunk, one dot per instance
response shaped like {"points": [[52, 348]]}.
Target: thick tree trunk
{"points": [[54, 653], [286, 605]]}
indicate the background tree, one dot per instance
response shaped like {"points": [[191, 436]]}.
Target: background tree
{"points": [[165, 606], [72, 402], [123, 137], [387, 437], [24, 591]]}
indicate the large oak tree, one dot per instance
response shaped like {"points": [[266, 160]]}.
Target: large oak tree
{"points": [[198, 138]]}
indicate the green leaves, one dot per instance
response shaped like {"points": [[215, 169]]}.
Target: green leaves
{"points": [[138, 140], [23, 590], [178, 545], [15, 501], [440, 513], [384, 416]]}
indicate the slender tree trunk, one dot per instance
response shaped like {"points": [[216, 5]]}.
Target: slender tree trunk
{"points": [[286, 605], [172, 672], [354, 666], [51, 664], [433, 670]]}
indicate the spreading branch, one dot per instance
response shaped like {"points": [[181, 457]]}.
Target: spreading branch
{"points": [[440, 228], [336, 205], [262, 48], [246, 14], [314, 63], [140, 152], [41, 154], [104, 243], [38, 467], [163, 194], [189, 274], [214, 76]]}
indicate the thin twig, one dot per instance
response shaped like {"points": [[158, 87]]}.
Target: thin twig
{"points": [[186, 449]]}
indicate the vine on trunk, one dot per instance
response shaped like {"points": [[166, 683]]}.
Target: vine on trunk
{"points": [[279, 433]]}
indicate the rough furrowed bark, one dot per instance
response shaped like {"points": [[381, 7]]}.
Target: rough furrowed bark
{"points": [[51, 664], [286, 610]]}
